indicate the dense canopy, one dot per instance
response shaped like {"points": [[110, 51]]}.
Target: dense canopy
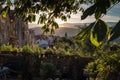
{"points": [[48, 10]]}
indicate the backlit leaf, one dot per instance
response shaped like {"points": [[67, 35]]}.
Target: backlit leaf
{"points": [[42, 19], [45, 28], [55, 25], [31, 18], [99, 33], [64, 18], [85, 32], [9, 3], [4, 12], [98, 13], [93, 39]]}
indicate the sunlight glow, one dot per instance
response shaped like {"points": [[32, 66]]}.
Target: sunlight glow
{"points": [[59, 21]]}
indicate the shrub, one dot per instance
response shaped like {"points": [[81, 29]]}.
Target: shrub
{"points": [[48, 70], [6, 48], [38, 50], [26, 49], [106, 67], [49, 51]]}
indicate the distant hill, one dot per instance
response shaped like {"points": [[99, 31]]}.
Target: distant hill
{"points": [[59, 32], [70, 31], [70, 28], [111, 24]]}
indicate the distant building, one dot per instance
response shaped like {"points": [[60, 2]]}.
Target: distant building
{"points": [[66, 35], [44, 41], [13, 30]]}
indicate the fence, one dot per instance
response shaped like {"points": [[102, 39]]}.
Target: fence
{"points": [[70, 66]]}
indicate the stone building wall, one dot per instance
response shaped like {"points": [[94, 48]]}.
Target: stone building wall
{"points": [[13, 30], [31, 38]]}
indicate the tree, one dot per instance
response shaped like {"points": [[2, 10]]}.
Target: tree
{"points": [[93, 31], [48, 10]]}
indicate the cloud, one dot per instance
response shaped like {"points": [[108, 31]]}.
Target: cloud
{"points": [[109, 18], [90, 19]]}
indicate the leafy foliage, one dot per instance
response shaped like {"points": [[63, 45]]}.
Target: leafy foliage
{"points": [[48, 70], [99, 7], [88, 12], [85, 32], [105, 67], [6, 48], [42, 18], [47, 10], [100, 29], [26, 49], [30, 18], [37, 49], [99, 33], [115, 33], [96, 32], [4, 11]]}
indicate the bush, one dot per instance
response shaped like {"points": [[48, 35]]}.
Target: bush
{"points": [[106, 67], [48, 70], [26, 49], [6, 48], [38, 50]]}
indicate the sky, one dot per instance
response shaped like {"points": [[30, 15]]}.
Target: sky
{"points": [[113, 15]]}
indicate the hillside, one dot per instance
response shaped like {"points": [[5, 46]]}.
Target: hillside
{"points": [[59, 32], [70, 28]]}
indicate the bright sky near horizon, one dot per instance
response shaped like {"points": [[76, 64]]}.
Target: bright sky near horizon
{"points": [[113, 15]]}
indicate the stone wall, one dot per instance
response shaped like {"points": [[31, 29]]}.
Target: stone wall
{"points": [[13, 30]]}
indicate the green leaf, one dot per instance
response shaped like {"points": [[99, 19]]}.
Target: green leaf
{"points": [[4, 12], [64, 18], [52, 31], [93, 39], [42, 18], [45, 28], [84, 34], [55, 25], [99, 33], [68, 16], [1, 2], [9, 3], [31, 18], [115, 33], [98, 13], [88, 12]]}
